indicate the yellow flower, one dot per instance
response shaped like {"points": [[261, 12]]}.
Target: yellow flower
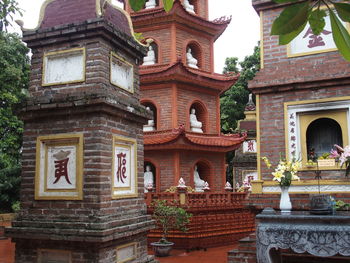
{"points": [[266, 161], [277, 176]]}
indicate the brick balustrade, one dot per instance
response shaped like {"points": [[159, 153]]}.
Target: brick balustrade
{"points": [[218, 219]]}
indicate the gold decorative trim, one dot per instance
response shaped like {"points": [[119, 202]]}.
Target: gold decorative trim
{"points": [[41, 260], [127, 16], [258, 154], [60, 52], [134, 244], [261, 39], [122, 60], [132, 143], [59, 140], [41, 16]]}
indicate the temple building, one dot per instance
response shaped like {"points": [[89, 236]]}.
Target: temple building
{"points": [[180, 88], [302, 110]]}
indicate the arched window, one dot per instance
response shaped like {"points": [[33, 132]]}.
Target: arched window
{"points": [[193, 55], [152, 123], [201, 116], [321, 135], [149, 177]]}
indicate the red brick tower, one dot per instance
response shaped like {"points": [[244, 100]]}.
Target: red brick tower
{"points": [[171, 88]]}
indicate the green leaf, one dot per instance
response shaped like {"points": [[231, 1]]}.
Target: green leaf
{"points": [[343, 10], [291, 18], [341, 36], [285, 39], [317, 21], [168, 4], [137, 5]]}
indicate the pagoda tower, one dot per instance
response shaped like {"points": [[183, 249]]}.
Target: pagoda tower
{"points": [[177, 78]]}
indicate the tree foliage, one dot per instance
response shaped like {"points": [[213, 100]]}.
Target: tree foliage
{"points": [[234, 100], [293, 19], [170, 217], [7, 9], [14, 77]]}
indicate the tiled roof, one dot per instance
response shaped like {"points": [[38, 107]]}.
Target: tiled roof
{"points": [[178, 12], [180, 72], [180, 136]]}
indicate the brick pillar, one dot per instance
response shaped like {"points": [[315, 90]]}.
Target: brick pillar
{"points": [[82, 179]]}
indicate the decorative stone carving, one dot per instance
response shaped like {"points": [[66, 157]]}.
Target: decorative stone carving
{"points": [[182, 183], [309, 188], [150, 59], [150, 4], [196, 126], [228, 186], [206, 187], [250, 105], [199, 184], [148, 179], [150, 125], [191, 61], [321, 236], [189, 7]]}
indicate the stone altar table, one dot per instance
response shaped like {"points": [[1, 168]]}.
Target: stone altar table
{"points": [[318, 235]]}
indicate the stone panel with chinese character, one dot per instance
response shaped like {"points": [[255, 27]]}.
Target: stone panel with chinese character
{"points": [[59, 170], [124, 167]]}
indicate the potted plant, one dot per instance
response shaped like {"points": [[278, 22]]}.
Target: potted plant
{"points": [[168, 217]]}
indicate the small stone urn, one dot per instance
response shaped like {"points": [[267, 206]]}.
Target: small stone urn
{"points": [[320, 204]]}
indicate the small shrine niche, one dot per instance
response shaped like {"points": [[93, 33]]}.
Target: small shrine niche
{"points": [[321, 135], [149, 177], [149, 4], [198, 116], [204, 170], [152, 123], [152, 54], [193, 55]]}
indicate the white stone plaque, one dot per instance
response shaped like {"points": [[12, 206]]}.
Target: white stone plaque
{"points": [[122, 73], [249, 146], [307, 43], [124, 167], [126, 253], [59, 167], [54, 256], [64, 67]]}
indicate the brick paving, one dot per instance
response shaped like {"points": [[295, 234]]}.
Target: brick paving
{"points": [[217, 255]]}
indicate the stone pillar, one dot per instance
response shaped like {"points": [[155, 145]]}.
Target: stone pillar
{"points": [[82, 181]]}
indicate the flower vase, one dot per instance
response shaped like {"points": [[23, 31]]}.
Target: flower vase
{"points": [[285, 204]]}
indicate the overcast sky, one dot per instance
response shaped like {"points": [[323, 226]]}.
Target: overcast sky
{"points": [[238, 40]]}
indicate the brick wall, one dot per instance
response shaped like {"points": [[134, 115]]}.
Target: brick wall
{"points": [[184, 36], [272, 130], [186, 96], [281, 70], [97, 72], [163, 98], [161, 35]]}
